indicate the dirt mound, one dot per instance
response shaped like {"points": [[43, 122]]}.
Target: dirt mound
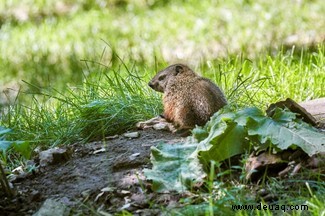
{"points": [[108, 173]]}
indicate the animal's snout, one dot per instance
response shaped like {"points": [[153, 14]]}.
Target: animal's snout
{"points": [[151, 85], [155, 86]]}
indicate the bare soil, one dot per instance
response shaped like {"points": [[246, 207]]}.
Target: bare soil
{"points": [[106, 176]]}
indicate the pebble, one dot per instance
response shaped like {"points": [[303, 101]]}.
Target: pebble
{"points": [[131, 135]]}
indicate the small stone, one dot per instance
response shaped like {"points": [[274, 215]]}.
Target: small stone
{"points": [[107, 189], [53, 156], [133, 156], [19, 170], [125, 192], [99, 151], [53, 207], [131, 135], [149, 123], [111, 137], [161, 126], [125, 206]]}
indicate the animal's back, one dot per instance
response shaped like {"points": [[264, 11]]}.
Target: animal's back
{"points": [[207, 99], [189, 99]]}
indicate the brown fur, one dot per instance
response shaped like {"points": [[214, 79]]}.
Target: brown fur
{"points": [[188, 99]]}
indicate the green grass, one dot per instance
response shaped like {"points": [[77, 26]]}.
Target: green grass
{"points": [[261, 81], [112, 100], [290, 193], [101, 106], [45, 51]]}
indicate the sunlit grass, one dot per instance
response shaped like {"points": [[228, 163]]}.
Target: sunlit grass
{"points": [[112, 99], [260, 82], [47, 50], [106, 104]]}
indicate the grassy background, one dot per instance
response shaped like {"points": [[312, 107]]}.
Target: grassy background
{"points": [[86, 64], [111, 101], [43, 42], [85, 51]]}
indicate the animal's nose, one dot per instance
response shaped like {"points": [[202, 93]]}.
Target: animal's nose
{"points": [[150, 84]]}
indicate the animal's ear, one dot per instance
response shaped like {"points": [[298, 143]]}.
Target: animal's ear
{"points": [[178, 69]]}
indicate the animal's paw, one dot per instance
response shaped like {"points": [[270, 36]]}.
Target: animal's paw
{"points": [[157, 123]]}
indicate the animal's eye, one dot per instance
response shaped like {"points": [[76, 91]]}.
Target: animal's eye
{"points": [[162, 77]]}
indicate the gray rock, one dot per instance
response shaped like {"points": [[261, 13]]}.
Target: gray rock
{"points": [[131, 135], [53, 207], [54, 156], [161, 126]]}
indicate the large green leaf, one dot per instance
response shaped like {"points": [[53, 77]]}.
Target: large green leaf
{"points": [[4, 145], [228, 133], [283, 132], [175, 167], [21, 147], [230, 143]]}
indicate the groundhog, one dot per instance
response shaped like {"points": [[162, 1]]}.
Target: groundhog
{"points": [[189, 99]]}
